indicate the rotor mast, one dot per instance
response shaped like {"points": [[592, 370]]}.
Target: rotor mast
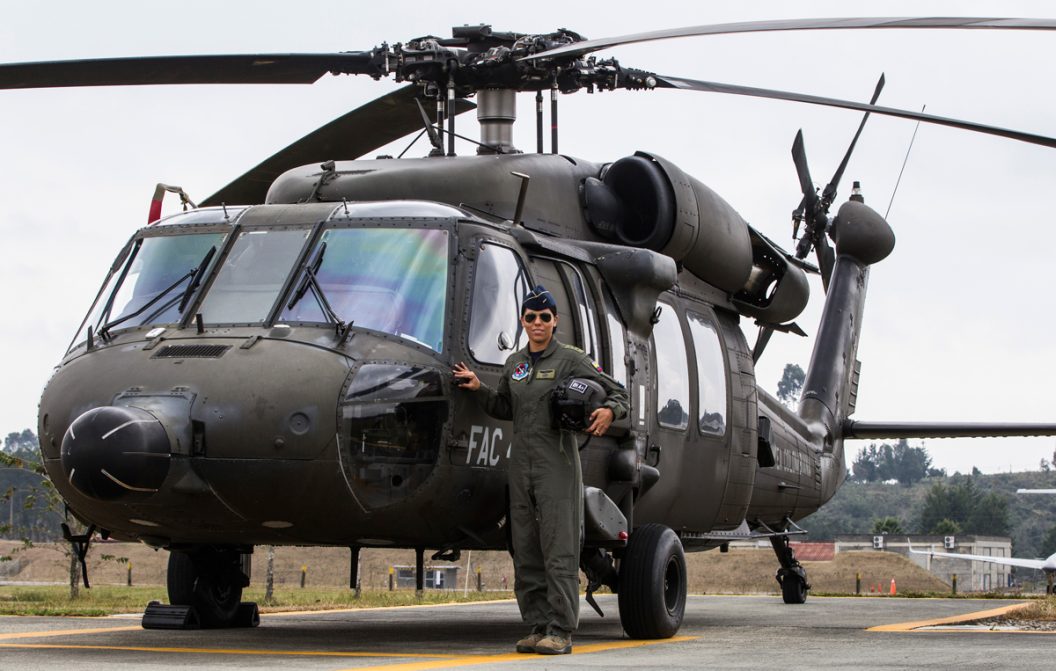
{"points": [[496, 113]]}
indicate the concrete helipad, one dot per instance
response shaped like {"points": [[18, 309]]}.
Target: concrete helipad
{"points": [[723, 632]]}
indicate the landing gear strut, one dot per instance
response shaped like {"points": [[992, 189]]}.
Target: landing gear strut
{"points": [[652, 593], [791, 576]]}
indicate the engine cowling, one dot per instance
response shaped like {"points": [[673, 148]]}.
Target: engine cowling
{"points": [[646, 201]]}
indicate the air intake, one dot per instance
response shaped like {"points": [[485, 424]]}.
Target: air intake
{"points": [[191, 352]]}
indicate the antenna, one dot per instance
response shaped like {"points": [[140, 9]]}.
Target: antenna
{"points": [[520, 196], [904, 161]]}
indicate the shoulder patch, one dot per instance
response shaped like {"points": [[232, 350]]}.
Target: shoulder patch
{"points": [[573, 348]]}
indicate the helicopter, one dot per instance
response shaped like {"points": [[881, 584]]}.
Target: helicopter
{"points": [[271, 367]]}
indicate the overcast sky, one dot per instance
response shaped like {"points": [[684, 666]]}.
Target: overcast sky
{"points": [[958, 321]]}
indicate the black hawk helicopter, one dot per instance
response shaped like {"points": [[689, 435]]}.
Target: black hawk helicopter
{"points": [[272, 367]]}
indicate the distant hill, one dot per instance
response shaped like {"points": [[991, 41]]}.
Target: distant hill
{"points": [[857, 506]]}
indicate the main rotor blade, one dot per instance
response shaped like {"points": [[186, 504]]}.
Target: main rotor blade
{"points": [[589, 46], [829, 193], [218, 69], [664, 81], [869, 430], [358, 132]]}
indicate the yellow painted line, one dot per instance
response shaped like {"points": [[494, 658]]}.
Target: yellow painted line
{"points": [[224, 651], [283, 613], [65, 632], [955, 619], [434, 661], [476, 660]]}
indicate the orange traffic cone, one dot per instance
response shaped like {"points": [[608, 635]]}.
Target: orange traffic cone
{"points": [[893, 589]]}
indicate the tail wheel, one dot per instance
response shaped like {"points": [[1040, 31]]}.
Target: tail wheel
{"points": [[793, 586], [652, 583], [209, 580]]}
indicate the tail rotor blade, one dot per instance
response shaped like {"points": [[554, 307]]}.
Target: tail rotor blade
{"points": [[829, 194], [799, 156], [826, 260]]}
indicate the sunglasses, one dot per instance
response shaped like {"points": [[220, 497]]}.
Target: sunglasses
{"points": [[544, 317]]}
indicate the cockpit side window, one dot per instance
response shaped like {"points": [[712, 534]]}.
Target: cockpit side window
{"points": [[499, 283]]}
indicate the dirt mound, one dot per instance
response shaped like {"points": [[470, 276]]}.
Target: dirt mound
{"points": [[736, 572]]}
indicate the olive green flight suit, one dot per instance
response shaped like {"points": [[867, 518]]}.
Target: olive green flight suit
{"points": [[546, 483]]}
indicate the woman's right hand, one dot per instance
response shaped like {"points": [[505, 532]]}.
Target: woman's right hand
{"points": [[465, 378]]}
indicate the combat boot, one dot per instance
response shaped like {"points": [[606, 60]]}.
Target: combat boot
{"points": [[554, 644], [528, 643]]}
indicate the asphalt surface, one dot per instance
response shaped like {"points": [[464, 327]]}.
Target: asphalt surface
{"points": [[720, 632]]}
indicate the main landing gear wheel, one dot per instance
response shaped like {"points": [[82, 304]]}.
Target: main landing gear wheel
{"points": [[793, 586], [652, 583], [791, 576], [209, 580]]}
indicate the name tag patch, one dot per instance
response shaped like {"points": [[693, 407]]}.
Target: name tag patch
{"points": [[546, 375]]}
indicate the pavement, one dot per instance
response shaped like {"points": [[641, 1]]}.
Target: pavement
{"points": [[720, 632]]}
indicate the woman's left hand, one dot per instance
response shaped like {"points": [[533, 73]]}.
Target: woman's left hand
{"points": [[600, 420]]}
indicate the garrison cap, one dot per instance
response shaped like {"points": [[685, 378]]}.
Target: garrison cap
{"points": [[538, 299]]}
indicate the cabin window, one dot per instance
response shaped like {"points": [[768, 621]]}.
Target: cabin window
{"points": [[583, 303], [151, 284], [253, 273], [711, 376], [392, 280], [499, 285], [672, 373], [617, 343]]}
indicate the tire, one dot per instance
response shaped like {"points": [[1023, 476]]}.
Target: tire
{"points": [[652, 583], [210, 581], [181, 579], [793, 588]]}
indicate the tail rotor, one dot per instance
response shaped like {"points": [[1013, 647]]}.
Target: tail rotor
{"points": [[813, 210]]}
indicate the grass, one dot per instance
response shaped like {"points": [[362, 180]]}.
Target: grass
{"points": [[108, 599], [1042, 609]]}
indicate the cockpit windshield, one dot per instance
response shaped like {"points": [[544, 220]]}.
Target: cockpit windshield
{"points": [[153, 282], [252, 276], [392, 280]]}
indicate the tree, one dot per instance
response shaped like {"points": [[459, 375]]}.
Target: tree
{"points": [[21, 445], [866, 466], [1048, 544], [989, 515], [36, 516], [790, 384], [910, 464], [31, 506], [887, 525], [898, 462], [963, 505], [946, 527]]}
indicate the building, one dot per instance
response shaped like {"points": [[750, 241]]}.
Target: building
{"points": [[436, 577], [972, 576]]}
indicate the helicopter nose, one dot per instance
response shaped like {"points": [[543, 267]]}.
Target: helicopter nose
{"points": [[111, 453]]}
